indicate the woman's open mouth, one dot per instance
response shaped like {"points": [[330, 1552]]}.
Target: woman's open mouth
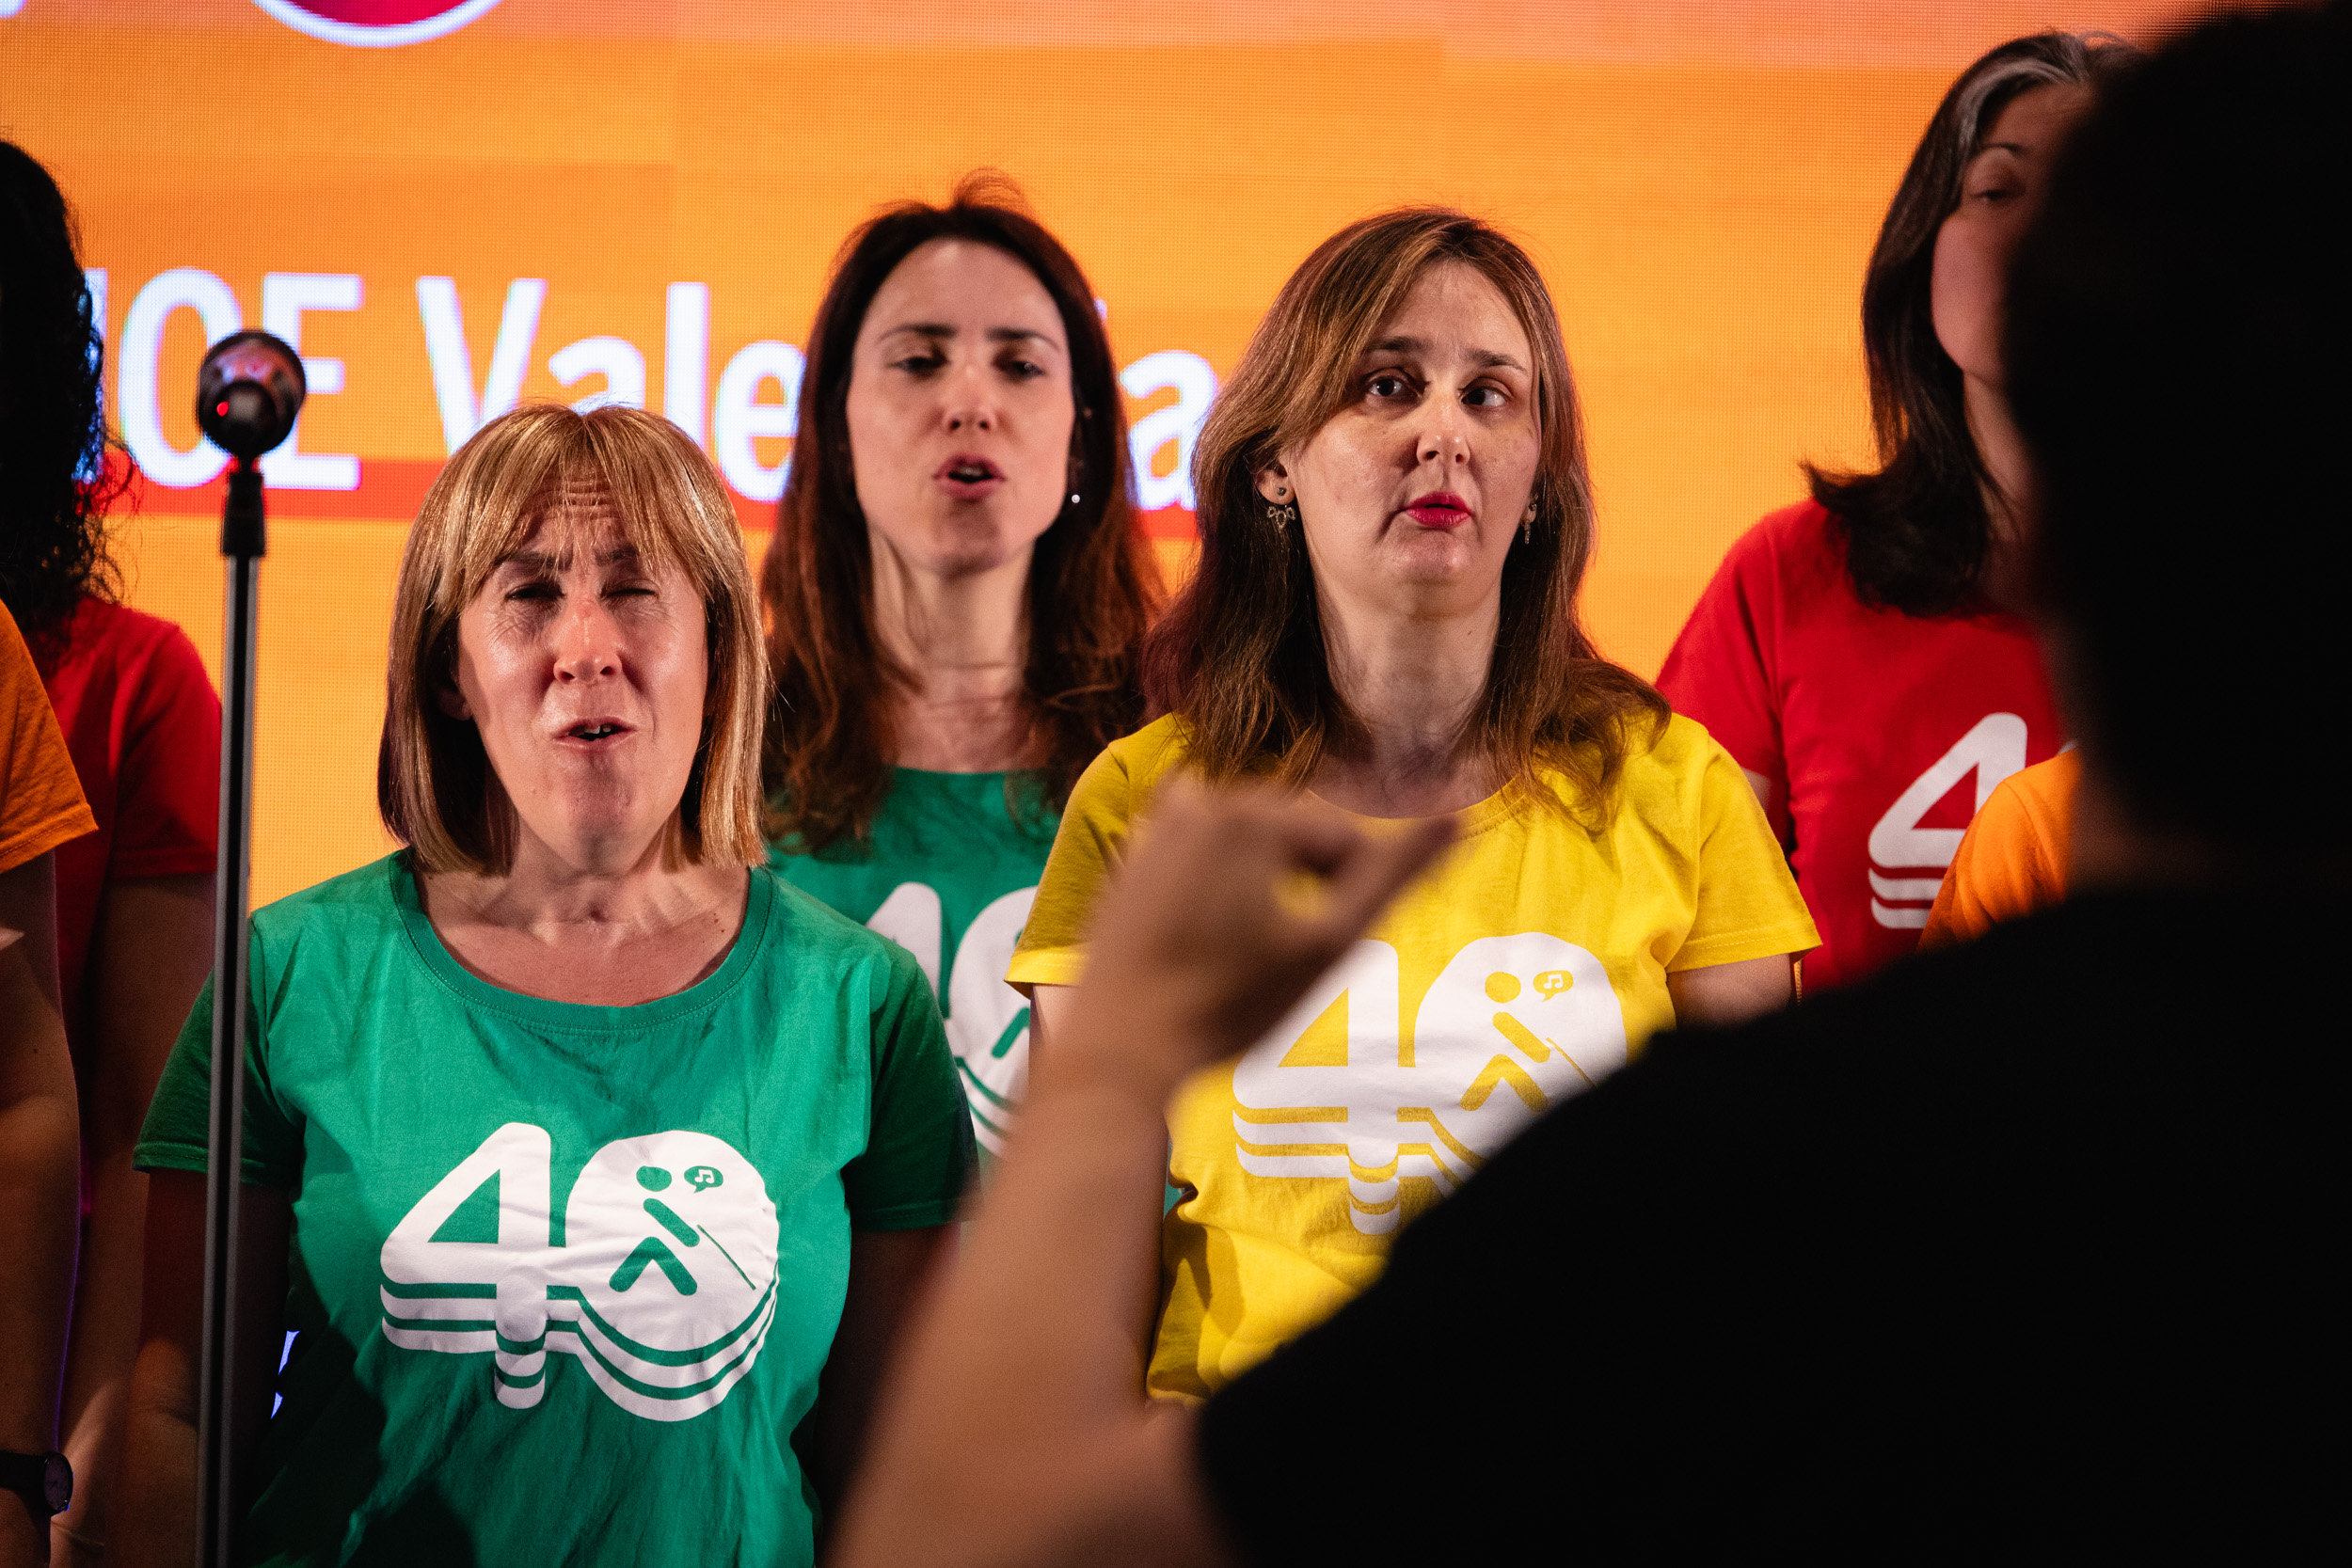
{"points": [[591, 731], [968, 476]]}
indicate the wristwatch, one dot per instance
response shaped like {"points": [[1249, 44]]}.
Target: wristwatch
{"points": [[45, 1480]]}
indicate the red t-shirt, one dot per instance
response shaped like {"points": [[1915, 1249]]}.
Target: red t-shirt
{"points": [[1878, 733], [143, 725]]}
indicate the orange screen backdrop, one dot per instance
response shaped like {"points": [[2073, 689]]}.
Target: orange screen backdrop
{"points": [[561, 200]]}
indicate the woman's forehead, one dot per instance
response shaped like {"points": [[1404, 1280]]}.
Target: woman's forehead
{"points": [[1453, 309]]}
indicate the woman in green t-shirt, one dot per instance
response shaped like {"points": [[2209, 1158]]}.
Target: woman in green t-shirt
{"points": [[586, 1157], [956, 595]]}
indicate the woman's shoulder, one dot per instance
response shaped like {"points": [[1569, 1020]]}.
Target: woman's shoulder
{"points": [[1133, 763], [363, 891], [1678, 748], [806, 935], [1795, 541]]}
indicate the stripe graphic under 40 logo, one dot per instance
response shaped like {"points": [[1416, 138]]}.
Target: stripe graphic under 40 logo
{"points": [[664, 1287]]}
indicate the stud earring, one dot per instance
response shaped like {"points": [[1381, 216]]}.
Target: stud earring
{"points": [[1074, 497]]}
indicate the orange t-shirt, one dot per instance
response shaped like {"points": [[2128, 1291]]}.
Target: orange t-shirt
{"points": [[41, 800], [2013, 860]]}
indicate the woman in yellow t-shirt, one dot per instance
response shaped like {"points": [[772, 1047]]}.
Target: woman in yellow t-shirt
{"points": [[1392, 493]]}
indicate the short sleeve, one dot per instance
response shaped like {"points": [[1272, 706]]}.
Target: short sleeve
{"points": [[2012, 859], [167, 785], [179, 1118], [40, 797], [1094, 830], [1719, 670], [919, 1144], [1748, 906]]}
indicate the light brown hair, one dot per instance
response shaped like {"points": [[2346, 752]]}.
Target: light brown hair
{"points": [[1093, 581], [1241, 653], [433, 784]]}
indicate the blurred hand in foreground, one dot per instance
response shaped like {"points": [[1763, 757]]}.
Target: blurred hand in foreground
{"points": [[1228, 905], [1014, 1429]]}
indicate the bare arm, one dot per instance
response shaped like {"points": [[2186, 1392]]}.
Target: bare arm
{"points": [[40, 1175], [1014, 1430], [1724, 994], [1050, 1009], [153, 952], [154, 1520], [887, 1269]]}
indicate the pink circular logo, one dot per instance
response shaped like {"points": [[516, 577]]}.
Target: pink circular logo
{"points": [[375, 23]]}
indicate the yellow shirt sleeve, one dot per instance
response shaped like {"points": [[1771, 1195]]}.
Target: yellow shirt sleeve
{"points": [[40, 797], [1748, 903], [2012, 859], [1094, 828]]}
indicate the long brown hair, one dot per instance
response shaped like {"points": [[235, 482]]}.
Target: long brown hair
{"points": [[1093, 582], [1241, 653], [432, 776], [1917, 532]]}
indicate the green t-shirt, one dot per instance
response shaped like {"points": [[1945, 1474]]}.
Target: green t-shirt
{"points": [[563, 1276], [948, 873]]}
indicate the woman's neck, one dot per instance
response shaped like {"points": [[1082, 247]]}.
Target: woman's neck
{"points": [[2006, 488], [964, 637], [604, 933], [1413, 684]]}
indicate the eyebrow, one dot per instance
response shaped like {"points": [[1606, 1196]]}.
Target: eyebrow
{"points": [[994, 334], [1485, 359], [545, 561]]}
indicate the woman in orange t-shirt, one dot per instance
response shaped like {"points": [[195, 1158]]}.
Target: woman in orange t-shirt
{"points": [[40, 808]]}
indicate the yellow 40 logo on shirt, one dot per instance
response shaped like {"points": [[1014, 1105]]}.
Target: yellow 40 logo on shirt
{"points": [[1336, 1089], [663, 1286]]}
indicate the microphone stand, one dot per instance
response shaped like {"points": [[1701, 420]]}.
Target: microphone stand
{"points": [[243, 543]]}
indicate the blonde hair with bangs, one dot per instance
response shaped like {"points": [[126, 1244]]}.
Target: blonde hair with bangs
{"points": [[433, 779]]}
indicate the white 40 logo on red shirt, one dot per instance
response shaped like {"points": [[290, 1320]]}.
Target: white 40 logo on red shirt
{"points": [[1992, 750], [663, 1284], [1512, 1024]]}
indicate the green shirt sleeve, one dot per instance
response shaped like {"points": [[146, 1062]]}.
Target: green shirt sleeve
{"points": [[179, 1119], [918, 1145]]}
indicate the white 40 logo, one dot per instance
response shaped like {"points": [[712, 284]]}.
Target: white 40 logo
{"points": [[663, 1286], [988, 1021], [1512, 1024], [1992, 750]]}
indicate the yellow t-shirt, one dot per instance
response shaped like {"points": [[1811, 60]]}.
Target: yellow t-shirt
{"points": [[1529, 964]]}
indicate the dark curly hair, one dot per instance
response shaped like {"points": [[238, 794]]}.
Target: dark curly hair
{"points": [[1917, 537], [55, 483]]}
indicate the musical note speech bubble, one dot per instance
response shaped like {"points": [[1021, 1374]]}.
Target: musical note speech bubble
{"points": [[1551, 982]]}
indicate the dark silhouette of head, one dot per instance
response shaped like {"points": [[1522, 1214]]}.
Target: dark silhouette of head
{"points": [[2178, 335]]}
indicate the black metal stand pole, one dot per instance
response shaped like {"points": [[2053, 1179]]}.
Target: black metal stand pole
{"points": [[243, 543]]}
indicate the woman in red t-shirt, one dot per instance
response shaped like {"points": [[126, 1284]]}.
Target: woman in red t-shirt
{"points": [[142, 722], [1860, 655]]}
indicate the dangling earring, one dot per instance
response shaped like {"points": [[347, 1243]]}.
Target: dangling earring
{"points": [[1527, 528], [1281, 511]]}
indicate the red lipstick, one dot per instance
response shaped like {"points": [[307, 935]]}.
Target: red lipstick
{"points": [[1439, 508]]}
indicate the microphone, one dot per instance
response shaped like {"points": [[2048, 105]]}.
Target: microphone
{"points": [[247, 392]]}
